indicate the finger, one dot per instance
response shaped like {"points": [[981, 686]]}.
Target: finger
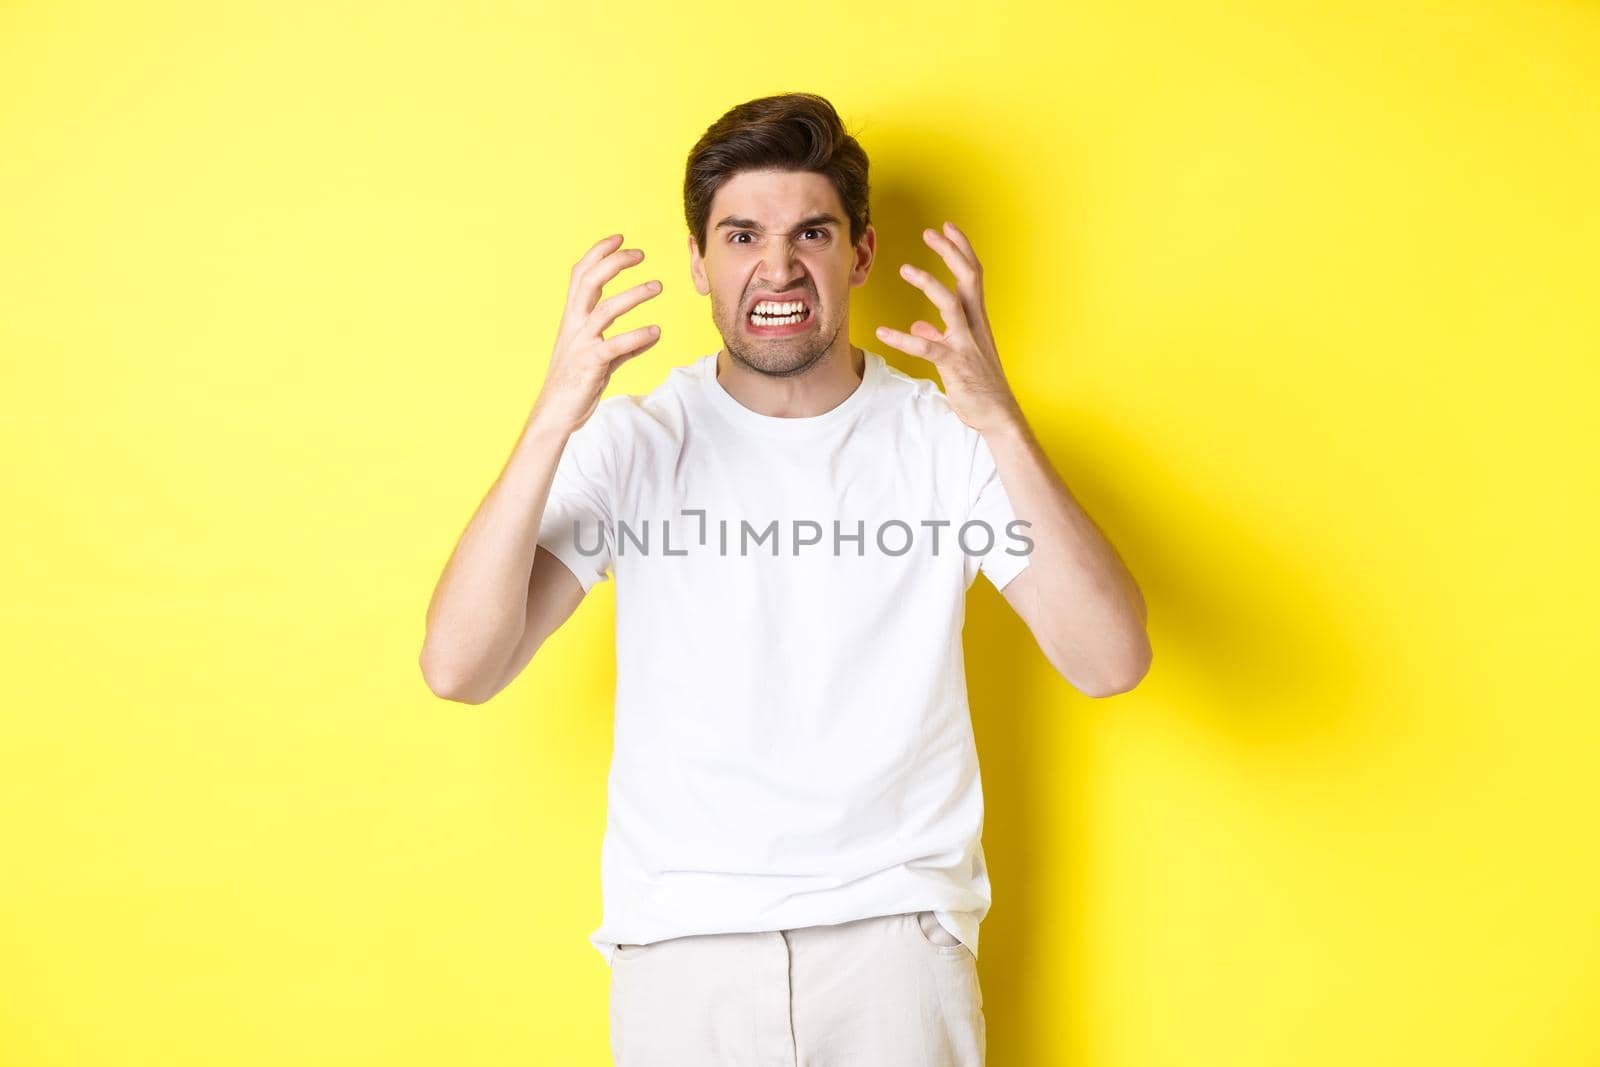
{"points": [[969, 282], [627, 345], [602, 247], [641, 350], [955, 316], [612, 307], [965, 245], [585, 292], [586, 289], [969, 279], [954, 256], [920, 347], [927, 330]]}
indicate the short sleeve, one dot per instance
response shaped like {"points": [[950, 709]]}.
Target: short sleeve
{"points": [[1008, 554], [576, 526]]}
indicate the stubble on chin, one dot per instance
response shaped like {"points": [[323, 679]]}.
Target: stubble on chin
{"points": [[778, 359]]}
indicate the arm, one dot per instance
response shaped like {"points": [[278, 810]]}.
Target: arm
{"points": [[497, 594], [1080, 602], [500, 595], [1075, 595], [553, 595]]}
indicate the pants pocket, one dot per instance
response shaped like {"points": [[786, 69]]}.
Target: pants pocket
{"points": [[933, 934]]}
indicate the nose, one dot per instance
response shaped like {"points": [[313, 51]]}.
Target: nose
{"points": [[778, 264]]}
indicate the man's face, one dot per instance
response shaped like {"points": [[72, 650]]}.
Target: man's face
{"points": [[780, 235]]}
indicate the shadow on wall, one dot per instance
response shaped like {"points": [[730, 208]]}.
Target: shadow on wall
{"points": [[1237, 644]]}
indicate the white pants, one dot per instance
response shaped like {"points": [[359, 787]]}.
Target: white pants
{"points": [[887, 991]]}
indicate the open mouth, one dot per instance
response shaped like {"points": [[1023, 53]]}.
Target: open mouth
{"points": [[783, 315]]}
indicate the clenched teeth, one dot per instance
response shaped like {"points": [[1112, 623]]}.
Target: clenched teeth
{"points": [[767, 313], [767, 307]]}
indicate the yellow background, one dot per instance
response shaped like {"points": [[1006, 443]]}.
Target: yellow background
{"points": [[1301, 299]]}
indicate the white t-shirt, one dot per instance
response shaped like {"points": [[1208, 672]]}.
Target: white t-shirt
{"points": [[792, 743]]}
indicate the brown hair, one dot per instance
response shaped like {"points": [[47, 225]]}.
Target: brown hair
{"points": [[792, 131]]}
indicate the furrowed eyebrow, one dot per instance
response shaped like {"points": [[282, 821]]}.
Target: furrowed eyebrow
{"points": [[810, 221]]}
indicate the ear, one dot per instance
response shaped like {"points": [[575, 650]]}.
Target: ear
{"points": [[697, 269], [866, 249]]}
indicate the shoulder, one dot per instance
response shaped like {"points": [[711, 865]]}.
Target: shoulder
{"points": [[922, 404], [625, 422]]}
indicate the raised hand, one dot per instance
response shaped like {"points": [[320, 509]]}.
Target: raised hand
{"points": [[583, 361], [964, 351]]}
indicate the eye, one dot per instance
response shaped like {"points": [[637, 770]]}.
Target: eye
{"points": [[733, 238]]}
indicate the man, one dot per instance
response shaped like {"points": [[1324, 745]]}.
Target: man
{"points": [[792, 868]]}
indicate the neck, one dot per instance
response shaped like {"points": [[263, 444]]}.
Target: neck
{"points": [[823, 386]]}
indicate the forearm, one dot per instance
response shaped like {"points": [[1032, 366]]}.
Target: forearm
{"points": [[1091, 614], [476, 616]]}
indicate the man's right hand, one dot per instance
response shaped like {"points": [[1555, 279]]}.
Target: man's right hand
{"points": [[583, 361]]}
